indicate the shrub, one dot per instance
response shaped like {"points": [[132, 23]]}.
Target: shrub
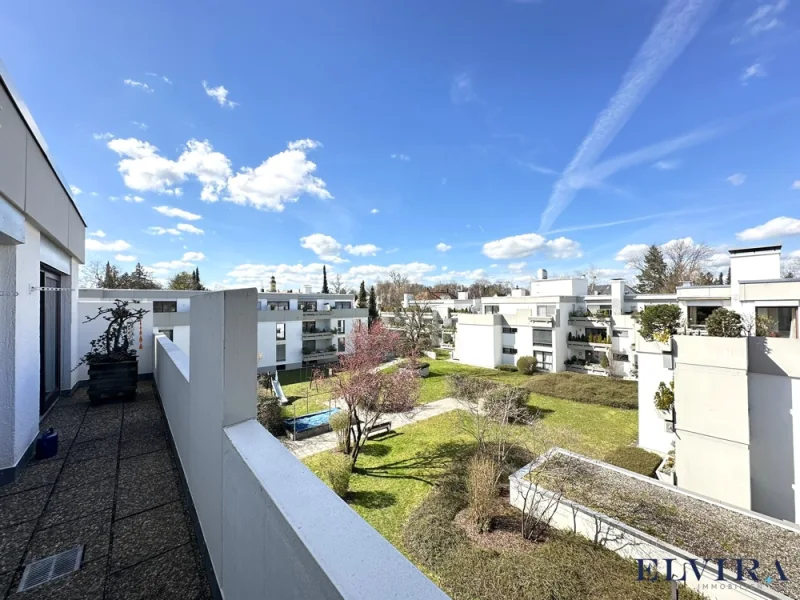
{"points": [[507, 368], [335, 470], [604, 361], [269, 412], [664, 398], [635, 459], [607, 391], [467, 388], [724, 323], [504, 402], [481, 490], [658, 317], [340, 423], [526, 365]]}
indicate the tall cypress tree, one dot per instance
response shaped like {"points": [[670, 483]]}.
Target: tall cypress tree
{"points": [[362, 296], [728, 278], [373, 306], [325, 280], [720, 279], [653, 273]]}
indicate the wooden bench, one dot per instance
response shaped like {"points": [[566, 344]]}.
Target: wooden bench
{"points": [[384, 427]]}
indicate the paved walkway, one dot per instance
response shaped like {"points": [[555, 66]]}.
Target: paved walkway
{"points": [[327, 441], [114, 487]]}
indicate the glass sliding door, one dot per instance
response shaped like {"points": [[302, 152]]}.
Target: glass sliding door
{"points": [[49, 340]]}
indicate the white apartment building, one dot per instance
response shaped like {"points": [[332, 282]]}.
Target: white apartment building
{"points": [[734, 427], [41, 249], [294, 329]]}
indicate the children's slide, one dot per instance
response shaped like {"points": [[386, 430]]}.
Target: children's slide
{"points": [[276, 388]]}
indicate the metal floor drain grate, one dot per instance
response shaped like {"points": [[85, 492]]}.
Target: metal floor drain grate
{"points": [[50, 568]]}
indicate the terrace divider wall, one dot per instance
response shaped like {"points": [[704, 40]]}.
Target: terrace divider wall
{"points": [[271, 528]]}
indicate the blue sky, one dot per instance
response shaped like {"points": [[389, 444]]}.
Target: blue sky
{"points": [[439, 139]]}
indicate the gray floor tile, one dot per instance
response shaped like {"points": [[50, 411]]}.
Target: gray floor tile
{"points": [[142, 429], [78, 501], [148, 534], [5, 582], [97, 428], [174, 575], [85, 471], [93, 449], [94, 532], [142, 491], [23, 506], [13, 541], [36, 474], [151, 463], [85, 584], [142, 444]]}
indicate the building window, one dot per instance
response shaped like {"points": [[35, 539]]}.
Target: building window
{"points": [[544, 360], [620, 333], [699, 314], [545, 310], [783, 319], [309, 326], [509, 350], [307, 305], [542, 337], [168, 333], [341, 346], [280, 331], [278, 305], [163, 306], [491, 309], [509, 330], [280, 353], [620, 357], [340, 326], [343, 305]]}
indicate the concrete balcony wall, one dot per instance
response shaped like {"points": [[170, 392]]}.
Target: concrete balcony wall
{"points": [[168, 320], [271, 528]]}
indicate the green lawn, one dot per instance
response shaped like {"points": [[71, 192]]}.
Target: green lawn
{"points": [[395, 473]]}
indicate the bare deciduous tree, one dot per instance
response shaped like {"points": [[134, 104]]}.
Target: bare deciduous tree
{"points": [[419, 326], [337, 285], [92, 274], [683, 260]]}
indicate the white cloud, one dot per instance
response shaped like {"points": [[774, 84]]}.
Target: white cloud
{"points": [[143, 169], [362, 249], [736, 179], [754, 70], [401, 157], [375, 211], [187, 261], [461, 89], [719, 259], [305, 144], [125, 258], [185, 227], [134, 199], [138, 84], [775, 228], [280, 179], [324, 246], [677, 24], [444, 268], [162, 230], [220, 94], [103, 136], [93, 194], [98, 234], [765, 18], [141, 126], [76, 191], [442, 247], [667, 165], [98, 246], [460, 275], [178, 213], [517, 266], [521, 246], [163, 78], [796, 184], [294, 276], [194, 256], [631, 251]]}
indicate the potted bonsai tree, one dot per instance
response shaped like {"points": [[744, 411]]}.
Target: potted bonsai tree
{"points": [[112, 360]]}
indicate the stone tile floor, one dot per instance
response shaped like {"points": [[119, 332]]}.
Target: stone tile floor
{"points": [[114, 486]]}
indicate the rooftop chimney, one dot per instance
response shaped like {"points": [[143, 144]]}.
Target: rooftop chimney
{"points": [[273, 287], [306, 289], [541, 274], [463, 295]]}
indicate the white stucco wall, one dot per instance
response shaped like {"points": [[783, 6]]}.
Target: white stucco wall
{"points": [[652, 431], [181, 336], [479, 340]]}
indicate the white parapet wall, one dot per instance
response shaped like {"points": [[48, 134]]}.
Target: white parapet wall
{"points": [[654, 368], [627, 541], [272, 528]]}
